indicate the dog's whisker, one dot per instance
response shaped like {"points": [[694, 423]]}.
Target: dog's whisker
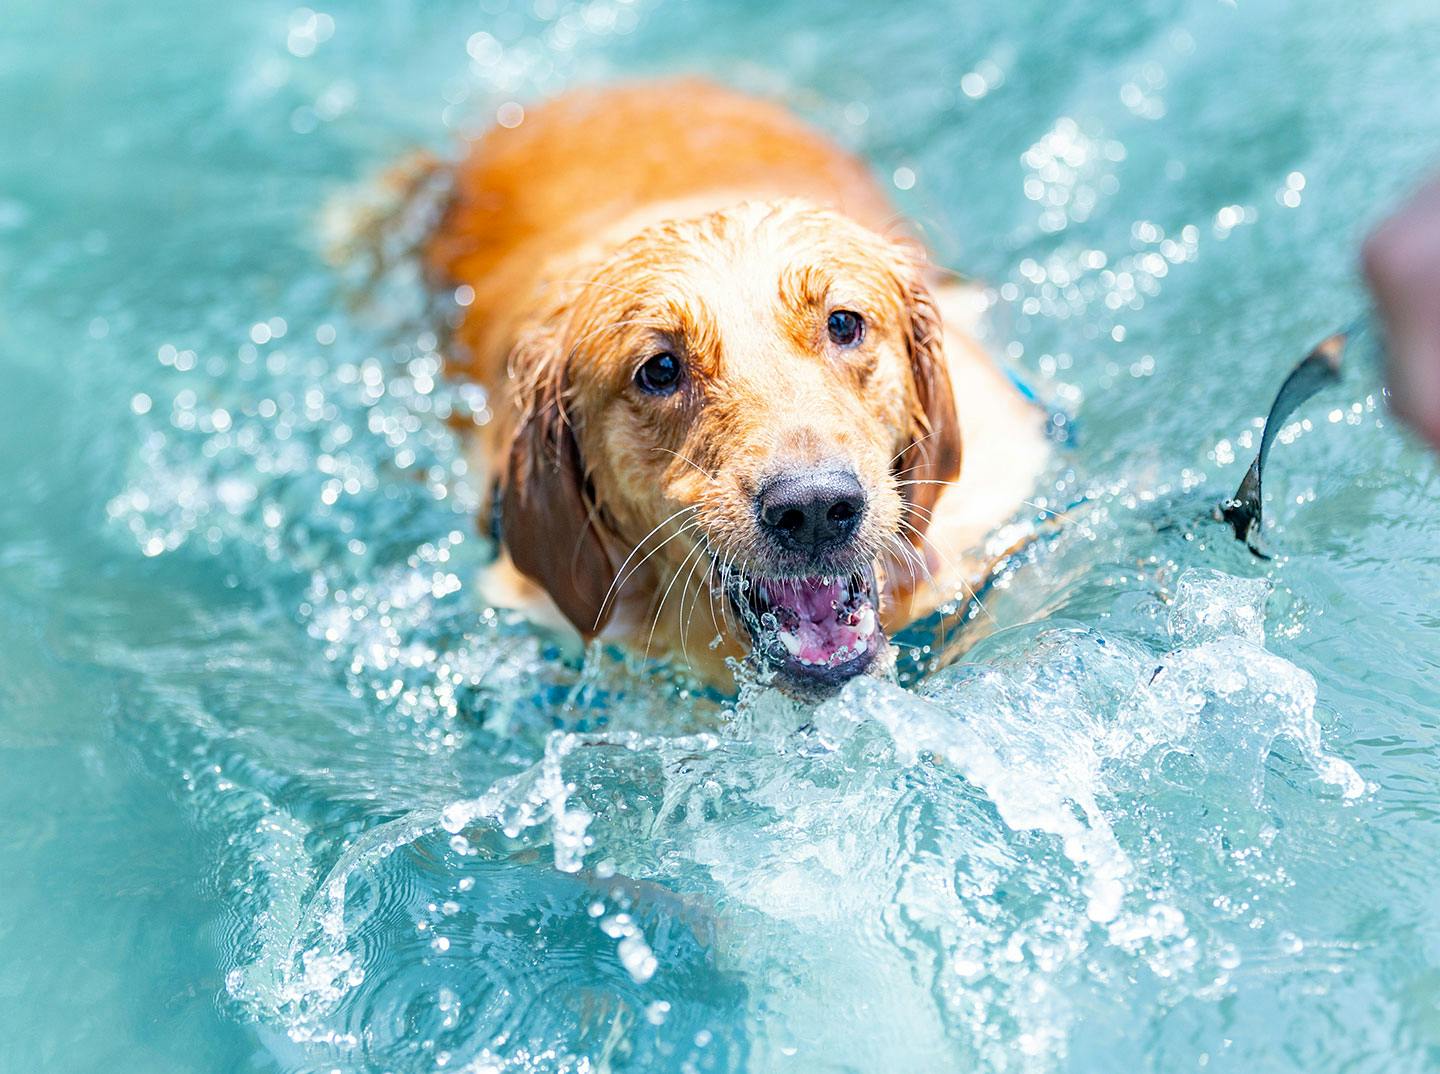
{"points": [[914, 443], [911, 468], [920, 511], [913, 554], [692, 462], [906, 556], [710, 589], [911, 558], [655, 621], [724, 580], [1049, 512], [965, 584], [685, 621], [725, 572], [927, 514], [621, 577], [685, 626], [691, 526]]}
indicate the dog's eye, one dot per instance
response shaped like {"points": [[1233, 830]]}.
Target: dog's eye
{"points": [[660, 375], [846, 328]]}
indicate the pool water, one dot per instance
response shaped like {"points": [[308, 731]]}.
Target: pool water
{"points": [[280, 794]]}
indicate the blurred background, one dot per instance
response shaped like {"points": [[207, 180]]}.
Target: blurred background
{"points": [[278, 793]]}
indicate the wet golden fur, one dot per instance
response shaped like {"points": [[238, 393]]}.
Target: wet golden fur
{"points": [[681, 217]]}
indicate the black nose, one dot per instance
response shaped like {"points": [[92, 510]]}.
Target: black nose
{"points": [[811, 512]]}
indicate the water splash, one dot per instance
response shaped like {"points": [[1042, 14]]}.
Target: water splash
{"points": [[953, 864], [977, 829]]}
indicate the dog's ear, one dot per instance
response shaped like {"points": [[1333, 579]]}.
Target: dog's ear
{"points": [[932, 458], [549, 519]]}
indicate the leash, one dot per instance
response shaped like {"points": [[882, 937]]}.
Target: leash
{"points": [[1318, 369]]}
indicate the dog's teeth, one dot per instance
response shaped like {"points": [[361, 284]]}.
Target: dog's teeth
{"points": [[866, 625], [792, 644]]}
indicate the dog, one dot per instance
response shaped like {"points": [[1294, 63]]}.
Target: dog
{"points": [[734, 412]]}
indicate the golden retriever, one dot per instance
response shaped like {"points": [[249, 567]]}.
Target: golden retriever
{"points": [[729, 406]]}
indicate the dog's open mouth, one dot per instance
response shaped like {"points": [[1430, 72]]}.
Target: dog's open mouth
{"points": [[821, 629]]}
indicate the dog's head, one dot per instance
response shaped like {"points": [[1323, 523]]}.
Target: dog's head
{"points": [[754, 403]]}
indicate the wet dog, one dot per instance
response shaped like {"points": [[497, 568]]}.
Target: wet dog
{"points": [[730, 403]]}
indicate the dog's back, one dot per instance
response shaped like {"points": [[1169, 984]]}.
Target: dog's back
{"points": [[600, 163]]}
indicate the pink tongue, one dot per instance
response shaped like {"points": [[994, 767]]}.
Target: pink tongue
{"points": [[809, 598], [818, 636]]}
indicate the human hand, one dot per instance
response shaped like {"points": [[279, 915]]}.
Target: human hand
{"points": [[1402, 264]]}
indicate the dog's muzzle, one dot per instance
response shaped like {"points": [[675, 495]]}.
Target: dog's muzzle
{"points": [[819, 630]]}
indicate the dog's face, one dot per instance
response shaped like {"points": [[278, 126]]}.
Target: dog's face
{"points": [[751, 407]]}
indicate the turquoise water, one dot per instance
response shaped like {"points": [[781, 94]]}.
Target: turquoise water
{"points": [[280, 794]]}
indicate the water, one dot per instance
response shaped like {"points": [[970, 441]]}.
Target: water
{"points": [[280, 794]]}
